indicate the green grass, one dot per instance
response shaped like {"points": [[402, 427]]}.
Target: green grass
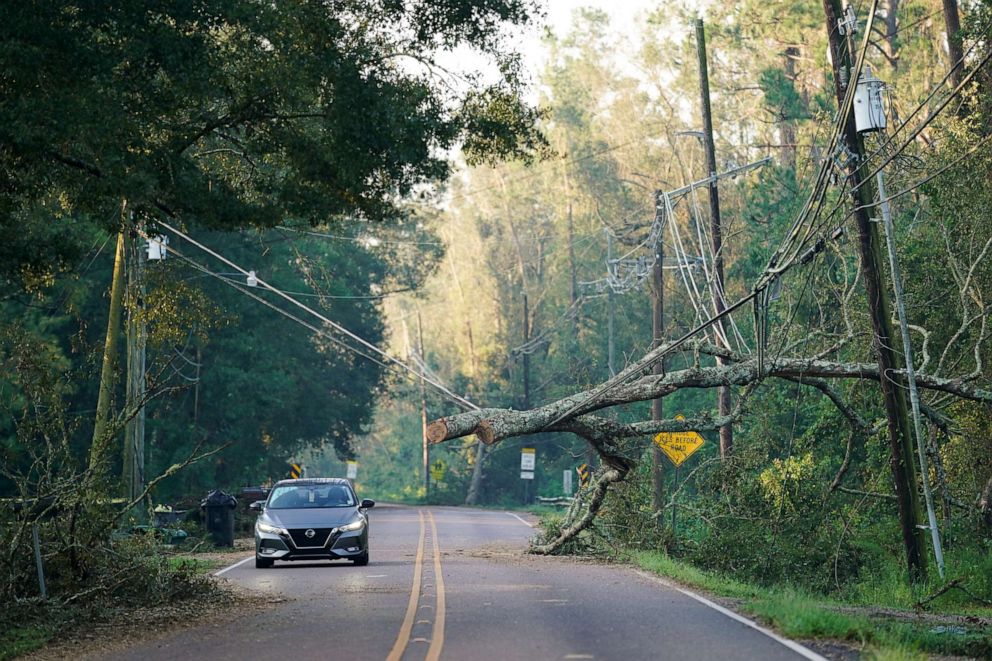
{"points": [[803, 616], [20, 640], [200, 565], [663, 565]]}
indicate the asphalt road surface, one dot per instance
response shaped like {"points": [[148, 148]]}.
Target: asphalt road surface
{"points": [[453, 583]]}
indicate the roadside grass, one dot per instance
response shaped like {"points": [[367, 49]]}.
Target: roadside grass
{"points": [[18, 641], [198, 565], [800, 615]]}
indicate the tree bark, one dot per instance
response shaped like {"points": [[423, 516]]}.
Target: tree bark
{"points": [[955, 48], [475, 486], [985, 505], [495, 425], [596, 498]]}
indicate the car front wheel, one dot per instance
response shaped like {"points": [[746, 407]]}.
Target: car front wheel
{"points": [[263, 563], [361, 560]]}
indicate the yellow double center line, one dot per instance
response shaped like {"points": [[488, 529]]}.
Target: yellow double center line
{"points": [[437, 631]]}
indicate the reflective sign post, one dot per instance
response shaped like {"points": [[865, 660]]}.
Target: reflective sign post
{"points": [[528, 462]]}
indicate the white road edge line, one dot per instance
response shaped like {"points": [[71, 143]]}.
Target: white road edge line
{"points": [[526, 523], [804, 652], [236, 564]]}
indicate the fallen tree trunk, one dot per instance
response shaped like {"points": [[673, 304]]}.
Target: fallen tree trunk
{"points": [[494, 425]]}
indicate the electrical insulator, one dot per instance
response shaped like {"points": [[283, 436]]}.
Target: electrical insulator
{"points": [[869, 111]]}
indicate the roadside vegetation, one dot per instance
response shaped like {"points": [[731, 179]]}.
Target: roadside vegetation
{"points": [[287, 138], [291, 141], [870, 607]]}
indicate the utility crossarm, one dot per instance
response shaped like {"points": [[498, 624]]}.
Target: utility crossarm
{"points": [[732, 172]]}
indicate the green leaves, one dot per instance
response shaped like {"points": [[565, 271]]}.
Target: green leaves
{"points": [[234, 114]]}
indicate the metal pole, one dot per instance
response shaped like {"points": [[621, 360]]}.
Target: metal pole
{"points": [[675, 488], [907, 347], [716, 232], [37, 560]]}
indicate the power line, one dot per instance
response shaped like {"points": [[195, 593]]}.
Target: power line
{"points": [[338, 327], [536, 172], [368, 241]]}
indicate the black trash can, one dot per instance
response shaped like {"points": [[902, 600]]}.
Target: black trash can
{"points": [[218, 510]]}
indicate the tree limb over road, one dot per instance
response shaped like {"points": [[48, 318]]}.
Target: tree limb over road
{"points": [[494, 425]]}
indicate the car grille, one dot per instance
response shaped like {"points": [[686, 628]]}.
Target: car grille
{"points": [[302, 541]]}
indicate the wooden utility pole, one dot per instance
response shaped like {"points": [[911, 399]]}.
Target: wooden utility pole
{"points": [[573, 292], [526, 402], [893, 387], [108, 373], [134, 429], [716, 232], [426, 452], [658, 329], [610, 342]]}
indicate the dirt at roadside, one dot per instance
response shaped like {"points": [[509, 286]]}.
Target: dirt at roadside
{"points": [[228, 603]]}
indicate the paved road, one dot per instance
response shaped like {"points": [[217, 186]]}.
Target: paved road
{"points": [[451, 583]]}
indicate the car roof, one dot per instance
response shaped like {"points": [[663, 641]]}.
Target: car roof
{"points": [[312, 481]]}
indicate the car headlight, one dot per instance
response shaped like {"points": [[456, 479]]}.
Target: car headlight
{"points": [[357, 524], [269, 528]]}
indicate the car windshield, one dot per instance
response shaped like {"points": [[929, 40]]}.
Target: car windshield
{"points": [[293, 496]]}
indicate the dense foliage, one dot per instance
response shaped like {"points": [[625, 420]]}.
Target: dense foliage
{"points": [[295, 139], [804, 499]]}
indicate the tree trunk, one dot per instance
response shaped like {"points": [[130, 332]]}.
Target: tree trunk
{"points": [[985, 506], [955, 48], [787, 127], [475, 486]]}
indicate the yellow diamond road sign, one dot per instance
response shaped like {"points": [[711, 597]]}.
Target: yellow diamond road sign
{"points": [[679, 445], [437, 469]]}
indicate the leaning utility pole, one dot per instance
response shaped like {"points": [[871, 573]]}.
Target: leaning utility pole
{"points": [[892, 385], [134, 429], [716, 233], [658, 329], [426, 452], [101, 441]]}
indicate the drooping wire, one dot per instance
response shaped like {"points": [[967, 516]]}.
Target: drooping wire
{"points": [[336, 326]]}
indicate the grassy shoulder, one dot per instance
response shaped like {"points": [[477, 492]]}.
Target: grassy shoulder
{"points": [[882, 632], [156, 587], [19, 640]]}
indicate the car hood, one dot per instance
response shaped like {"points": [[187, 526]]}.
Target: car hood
{"points": [[322, 517]]}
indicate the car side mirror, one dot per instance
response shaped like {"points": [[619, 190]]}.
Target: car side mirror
{"points": [[257, 506], [367, 504]]}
